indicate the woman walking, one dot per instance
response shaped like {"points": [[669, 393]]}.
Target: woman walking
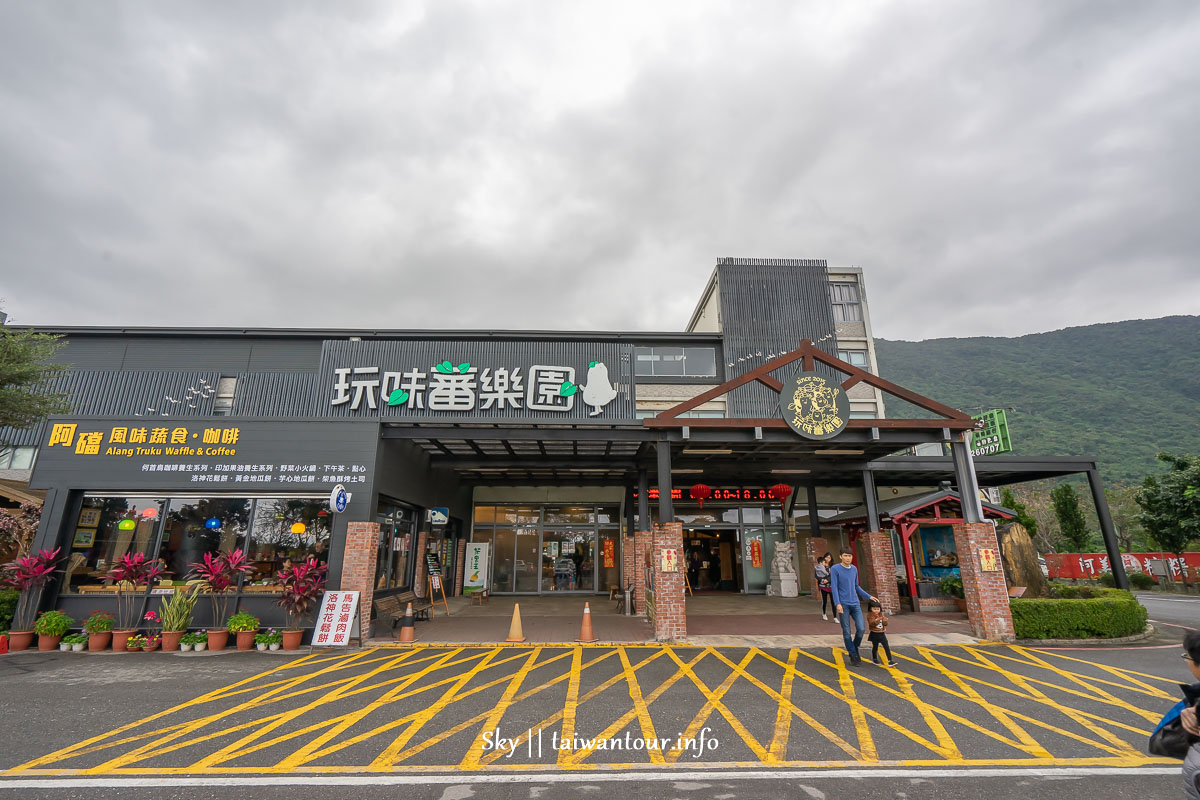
{"points": [[821, 573]]}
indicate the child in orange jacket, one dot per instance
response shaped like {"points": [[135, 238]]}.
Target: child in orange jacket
{"points": [[877, 633]]}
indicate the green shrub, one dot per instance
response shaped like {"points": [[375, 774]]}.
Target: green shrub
{"points": [[1062, 591], [951, 586], [1107, 579], [8, 606], [242, 621], [1114, 614], [1140, 580], [52, 623]]}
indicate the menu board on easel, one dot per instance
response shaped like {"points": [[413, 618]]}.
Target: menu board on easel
{"points": [[436, 582]]}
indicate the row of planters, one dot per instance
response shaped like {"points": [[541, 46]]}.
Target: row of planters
{"points": [[215, 576]]}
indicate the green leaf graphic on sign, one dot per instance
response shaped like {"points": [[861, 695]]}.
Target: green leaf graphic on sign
{"points": [[592, 364], [445, 368], [567, 389], [397, 397], [463, 367]]}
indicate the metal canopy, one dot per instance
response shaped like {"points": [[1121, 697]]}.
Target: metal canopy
{"points": [[902, 507], [613, 455]]}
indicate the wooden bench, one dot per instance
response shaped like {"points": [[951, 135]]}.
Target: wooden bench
{"points": [[394, 606]]}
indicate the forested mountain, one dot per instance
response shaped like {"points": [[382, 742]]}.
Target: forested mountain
{"points": [[1118, 392]]}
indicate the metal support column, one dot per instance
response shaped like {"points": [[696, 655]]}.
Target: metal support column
{"points": [[814, 519], [666, 509], [1106, 528], [968, 484], [870, 500]]}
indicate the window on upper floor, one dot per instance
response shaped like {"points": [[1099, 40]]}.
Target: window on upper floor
{"points": [[647, 413], [223, 404], [675, 362], [847, 307], [858, 358], [17, 457]]}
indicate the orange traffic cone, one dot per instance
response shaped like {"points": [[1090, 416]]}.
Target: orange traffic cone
{"points": [[407, 631], [585, 630], [514, 630]]}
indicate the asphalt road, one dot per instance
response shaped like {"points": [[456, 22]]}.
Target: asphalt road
{"points": [[1177, 613], [71, 715]]}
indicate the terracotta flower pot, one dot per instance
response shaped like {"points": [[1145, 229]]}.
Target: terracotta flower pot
{"points": [[961, 603], [245, 639], [19, 640], [170, 640], [217, 638], [291, 639], [48, 642], [120, 639], [99, 641], [132, 648]]}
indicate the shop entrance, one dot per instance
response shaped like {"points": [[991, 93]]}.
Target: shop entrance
{"points": [[714, 560]]}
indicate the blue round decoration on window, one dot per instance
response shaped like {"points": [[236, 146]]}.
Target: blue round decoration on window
{"points": [[212, 524]]}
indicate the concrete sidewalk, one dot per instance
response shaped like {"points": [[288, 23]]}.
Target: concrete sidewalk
{"points": [[713, 620]]}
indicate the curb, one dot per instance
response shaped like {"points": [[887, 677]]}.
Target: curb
{"points": [[1137, 637]]}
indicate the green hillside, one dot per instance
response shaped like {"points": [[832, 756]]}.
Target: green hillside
{"points": [[1118, 392]]}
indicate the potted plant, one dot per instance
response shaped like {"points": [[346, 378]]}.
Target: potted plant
{"points": [[245, 626], [98, 628], [153, 640], [186, 642], [200, 641], [261, 640], [302, 586], [952, 586], [135, 642], [132, 570], [177, 616], [77, 641], [219, 576], [28, 575], [50, 627], [274, 639]]}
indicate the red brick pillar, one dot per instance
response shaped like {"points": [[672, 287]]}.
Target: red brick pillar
{"points": [[814, 548], [460, 558], [641, 543], [986, 592], [878, 570], [422, 567], [670, 611], [358, 569]]}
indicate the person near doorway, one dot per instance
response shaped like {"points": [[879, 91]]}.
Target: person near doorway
{"points": [[693, 568], [1190, 720], [846, 593], [564, 573], [821, 574], [877, 626]]}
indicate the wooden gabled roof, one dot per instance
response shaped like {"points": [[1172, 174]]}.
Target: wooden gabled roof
{"points": [[948, 418]]}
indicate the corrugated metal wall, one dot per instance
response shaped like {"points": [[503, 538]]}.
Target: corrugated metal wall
{"points": [[275, 394], [768, 305]]}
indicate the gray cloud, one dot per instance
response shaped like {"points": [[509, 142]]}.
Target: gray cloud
{"points": [[995, 169]]}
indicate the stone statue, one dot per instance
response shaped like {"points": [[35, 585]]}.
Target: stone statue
{"points": [[784, 581]]}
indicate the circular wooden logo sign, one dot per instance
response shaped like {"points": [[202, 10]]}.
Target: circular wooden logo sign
{"points": [[814, 406]]}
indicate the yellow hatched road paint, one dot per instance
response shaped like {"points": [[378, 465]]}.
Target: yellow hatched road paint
{"points": [[391, 707]]}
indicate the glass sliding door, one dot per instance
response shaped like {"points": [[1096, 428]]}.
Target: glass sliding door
{"points": [[528, 562], [758, 551], [568, 561]]}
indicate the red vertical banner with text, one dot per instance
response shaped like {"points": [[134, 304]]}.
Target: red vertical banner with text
{"points": [[609, 549]]}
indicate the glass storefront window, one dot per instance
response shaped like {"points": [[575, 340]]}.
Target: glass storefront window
{"points": [[199, 525], [752, 515], [608, 515], [569, 515], [397, 538], [106, 529], [287, 531]]}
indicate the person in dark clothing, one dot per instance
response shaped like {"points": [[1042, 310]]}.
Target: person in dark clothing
{"points": [[877, 633], [821, 574], [1188, 718]]}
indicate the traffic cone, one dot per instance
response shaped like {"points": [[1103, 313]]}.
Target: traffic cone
{"points": [[514, 630], [407, 631], [585, 630]]}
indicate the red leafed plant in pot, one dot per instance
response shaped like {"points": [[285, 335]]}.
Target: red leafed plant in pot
{"points": [[219, 578], [28, 575], [302, 588], [132, 571]]}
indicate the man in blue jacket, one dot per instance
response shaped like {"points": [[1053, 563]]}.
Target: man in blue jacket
{"points": [[846, 591]]}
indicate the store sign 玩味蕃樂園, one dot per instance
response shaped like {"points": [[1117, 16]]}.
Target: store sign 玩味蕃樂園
{"points": [[413, 379], [252, 455], [814, 406]]}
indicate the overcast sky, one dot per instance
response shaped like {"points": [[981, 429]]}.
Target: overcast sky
{"points": [[996, 169]]}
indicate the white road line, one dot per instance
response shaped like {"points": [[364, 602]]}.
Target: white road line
{"points": [[131, 782], [1168, 599]]}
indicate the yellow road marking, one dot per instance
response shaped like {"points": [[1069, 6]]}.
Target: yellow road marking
{"points": [[714, 703], [783, 717]]}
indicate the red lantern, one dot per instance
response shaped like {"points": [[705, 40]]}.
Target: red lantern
{"points": [[780, 492], [700, 492]]}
